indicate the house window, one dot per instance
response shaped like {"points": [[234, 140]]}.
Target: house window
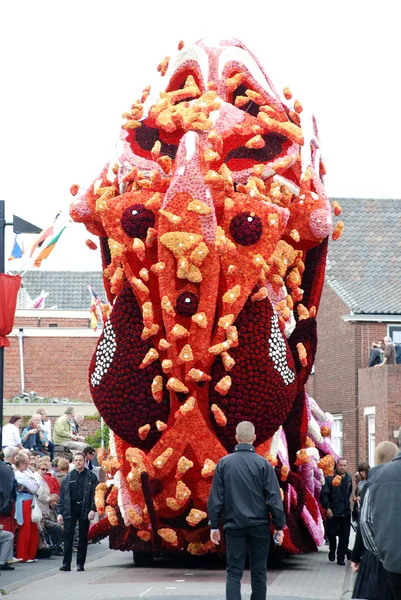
{"points": [[370, 415], [371, 439], [337, 434], [394, 332]]}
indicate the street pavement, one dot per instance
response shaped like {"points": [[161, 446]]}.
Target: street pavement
{"points": [[112, 575]]}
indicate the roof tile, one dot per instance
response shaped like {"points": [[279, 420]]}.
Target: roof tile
{"points": [[364, 266], [68, 290]]}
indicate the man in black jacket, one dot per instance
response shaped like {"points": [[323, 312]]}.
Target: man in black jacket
{"points": [[381, 520], [246, 489], [335, 499], [77, 504]]}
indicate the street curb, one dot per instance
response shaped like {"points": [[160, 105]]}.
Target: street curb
{"points": [[40, 576]]}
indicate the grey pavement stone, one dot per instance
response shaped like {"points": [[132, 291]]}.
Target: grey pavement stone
{"points": [[111, 575]]}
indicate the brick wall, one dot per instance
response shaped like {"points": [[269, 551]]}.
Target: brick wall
{"points": [[394, 399], [335, 383], [380, 388], [373, 392], [38, 321], [54, 367]]}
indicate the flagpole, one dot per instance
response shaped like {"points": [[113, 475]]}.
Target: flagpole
{"points": [[27, 261], [19, 226], [2, 267]]}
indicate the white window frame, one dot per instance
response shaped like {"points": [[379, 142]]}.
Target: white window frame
{"points": [[394, 331], [370, 415], [337, 436]]}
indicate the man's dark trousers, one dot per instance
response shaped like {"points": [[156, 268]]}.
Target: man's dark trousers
{"points": [[395, 582], [50, 448], [69, 530], [338, 526], [238, 540]]}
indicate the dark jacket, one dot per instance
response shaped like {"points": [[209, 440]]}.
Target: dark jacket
{"points": [[337, 497], [88, 503], [246, 488], [358, 545], [381, 516], [375, 358], [7, 488]]}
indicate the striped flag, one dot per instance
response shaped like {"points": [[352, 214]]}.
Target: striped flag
{"points": [[48, 249], [94, 315], [96, 308], [18, 248], [44, 235]]}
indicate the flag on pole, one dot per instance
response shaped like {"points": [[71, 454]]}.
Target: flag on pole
{"points": [[48, 249], [18, 248], [96, 308], [94, 315], [44, 235], [39, 302]]}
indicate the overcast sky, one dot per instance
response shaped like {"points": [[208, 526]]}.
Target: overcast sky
{"points": [[69, 70]]}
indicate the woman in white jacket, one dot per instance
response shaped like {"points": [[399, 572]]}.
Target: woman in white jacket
{"points": [[11, 435], [27, 486]]}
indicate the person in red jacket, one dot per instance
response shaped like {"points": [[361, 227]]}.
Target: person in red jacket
{"points": [[52, 482]]}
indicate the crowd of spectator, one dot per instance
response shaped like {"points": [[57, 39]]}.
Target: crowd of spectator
{"points": [[383, 353], [31, 478]]}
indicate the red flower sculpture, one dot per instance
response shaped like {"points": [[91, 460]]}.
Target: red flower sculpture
{"points": [[213, 223]]}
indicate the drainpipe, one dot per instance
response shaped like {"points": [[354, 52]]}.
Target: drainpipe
{"points": [[21, 358]]}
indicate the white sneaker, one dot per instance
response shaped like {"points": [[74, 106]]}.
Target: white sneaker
{"points": [[29, 560], [14, 560]]}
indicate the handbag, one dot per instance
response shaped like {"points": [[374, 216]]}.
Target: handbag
{"points": [[36, 515]]}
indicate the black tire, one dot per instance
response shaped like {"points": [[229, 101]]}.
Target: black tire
{"points": [[143, 559]]}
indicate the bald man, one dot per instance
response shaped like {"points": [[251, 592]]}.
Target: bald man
{"points": [[245, 488], [390, 356]]}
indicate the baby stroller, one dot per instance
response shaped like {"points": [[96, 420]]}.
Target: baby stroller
{"points": [[45, 544]]}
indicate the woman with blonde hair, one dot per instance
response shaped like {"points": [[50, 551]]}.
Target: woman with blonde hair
{"points": [[372, 582], [385, 452]]}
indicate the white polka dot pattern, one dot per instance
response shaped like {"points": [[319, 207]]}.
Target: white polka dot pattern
{"points": [[277, 352], [104, 354]]}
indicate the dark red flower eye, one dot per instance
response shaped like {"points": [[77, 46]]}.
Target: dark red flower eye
{"points": [[136, 220], [246, 228], [187, 304]]}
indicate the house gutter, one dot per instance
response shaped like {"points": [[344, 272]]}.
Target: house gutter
{"points": [[369, 318]]}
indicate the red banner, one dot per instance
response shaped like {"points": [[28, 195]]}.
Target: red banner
{"points": [[9, 286]]}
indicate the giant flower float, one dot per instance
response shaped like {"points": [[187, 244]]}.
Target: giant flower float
{"points": [[213, 224]]}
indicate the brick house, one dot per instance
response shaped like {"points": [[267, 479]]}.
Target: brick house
{"points": [[361, 303]]}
